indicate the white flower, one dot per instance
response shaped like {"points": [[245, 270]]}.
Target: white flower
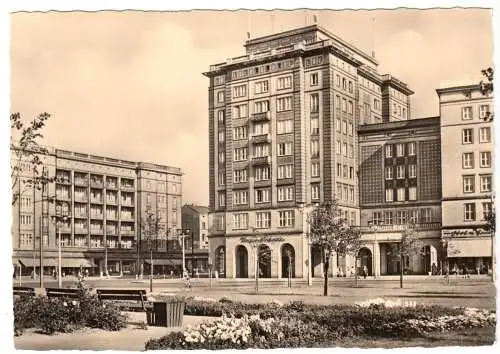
{"points": [[73, 303], [65, 303]]}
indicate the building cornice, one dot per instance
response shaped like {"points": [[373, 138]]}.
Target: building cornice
{"points": [[400, 125]]}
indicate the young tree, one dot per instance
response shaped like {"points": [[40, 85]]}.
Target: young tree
{"points": [[408, 246], [486, 87], [27, 151], [149, 238], [331, 232]]}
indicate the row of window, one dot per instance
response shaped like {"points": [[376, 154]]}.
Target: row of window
{"points": [[402, 150], [399, 111], [470, 211], [400, 171], [401, 194], [484, 159], [263, 220], [402, 217], [344, 104], [345, 192], [345, 171], [347, 150], [262, 195], [484, 135], [469, 183], [467, 112], [282, 83], [347, 128]]}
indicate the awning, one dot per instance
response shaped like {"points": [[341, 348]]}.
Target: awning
{"points": [[164, 261], [28, 262], [470, 248], [77, 262]]}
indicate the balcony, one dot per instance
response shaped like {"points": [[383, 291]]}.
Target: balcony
{"points": [[81, 214], [65, 197], [260, 117], [81, 182], [111, 201], [127, 187], [81, 198], [96, 216], [397, 227], [110, 231], [111, 216], [95, 183], [96, 200], [81, 230], [125, 217], [63, 179], [65, 229], [261, 138], [111, 185], [126, 202], [263, 160], [127, 232], [96, 231]]}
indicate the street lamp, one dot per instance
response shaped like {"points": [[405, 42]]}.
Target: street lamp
{"points": [[64, 216], [309, 242], [445, 250], [182, 236]]}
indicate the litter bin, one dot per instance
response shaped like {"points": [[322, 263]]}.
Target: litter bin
{"points": [[166, 313]]}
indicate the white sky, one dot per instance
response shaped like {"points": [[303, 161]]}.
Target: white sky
{"points": [[129, 84]]}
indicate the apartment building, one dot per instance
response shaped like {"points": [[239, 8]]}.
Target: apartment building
{"points": [[400, 185], [467, 146], [283, 122], [98, 206]]}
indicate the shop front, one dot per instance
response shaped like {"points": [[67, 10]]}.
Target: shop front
{"points": [[471, 255]]}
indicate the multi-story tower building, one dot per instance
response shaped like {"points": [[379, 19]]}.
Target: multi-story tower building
{"points": [[283, 121], [467, 159], [400, 185], [94, 201]]}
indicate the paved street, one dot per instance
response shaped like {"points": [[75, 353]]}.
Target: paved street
{"points": [[472, 292]]}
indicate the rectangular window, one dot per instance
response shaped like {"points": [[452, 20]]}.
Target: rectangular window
{"points": [[314, 126], [344, 127], [411, 149], [284, 104], [366, 110], [285, 126], [221, 117], [376, 218], [466, 113], [344, 105], [400, 150], [468, 184], [351, 172], [351, 151], [221, 223], [485, 159], [388, 151], [351, 129], [240, 197], [346, 171], [285, 171], [412, 216], [261, 150], [315, 169], [400, 172], [389, 172], [261, 128], [262, 86], [337, 80], [402, 217], [263, 220], [222, 199], [240, 133], [240, 176], [221, 136], [262, 173], [26, 219], [222, 178], [284, 82], [469, 212], [344, 149], [240, 154], [337, 102], [240, 91], [486, 210], [412, 193], [240, 111], [338, 125], [285, 193], [485, 183], [315, 191], [467, 136], [388, 218], [220, 96], [350, 86], [426, 215], [412, 171], [338, 147], [314, 148], [339, 170], [484, 111], [286, 218], [484, 135], [401, 195], [351, 194], [314, 79], [468, 160], [261, 106], [314, 103], [240, 221], [285, 149], [25, 203], [262, 195], [350, 107], [389, 195]]}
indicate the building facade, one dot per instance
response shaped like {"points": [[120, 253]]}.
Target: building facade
{"points": [[95, 201], [283, 122], [467, 145], [195, 219]]}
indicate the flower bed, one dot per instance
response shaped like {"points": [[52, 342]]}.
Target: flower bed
{"points": [[299, 325]]}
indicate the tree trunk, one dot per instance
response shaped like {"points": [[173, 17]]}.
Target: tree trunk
{"points": [[325, 285], [401, 272], [356, 271]]}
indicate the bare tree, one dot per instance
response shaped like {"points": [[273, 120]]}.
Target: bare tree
{"points": [[331, 232], [27, 159], [408, 246], [149, 238]]}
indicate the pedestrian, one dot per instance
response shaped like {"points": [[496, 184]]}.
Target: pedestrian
{"points": [[365, 271], [187, 280]]}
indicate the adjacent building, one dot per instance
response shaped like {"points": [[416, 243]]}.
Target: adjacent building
{"points": [[467, 147], [195, 219], [98, 207]]}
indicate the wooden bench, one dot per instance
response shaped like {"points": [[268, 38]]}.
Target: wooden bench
{"points": [[23, 291], [61, 293], [137, 295]]}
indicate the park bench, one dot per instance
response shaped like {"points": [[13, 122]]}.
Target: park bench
{"points": [[23, 291], [135, 298], [61, 293]]}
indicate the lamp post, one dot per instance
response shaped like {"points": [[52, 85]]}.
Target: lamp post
{"points": [[309, 243], [192, 253], [447, 266], [106, 273], [57, 220], [182, 235], [374, 228]]}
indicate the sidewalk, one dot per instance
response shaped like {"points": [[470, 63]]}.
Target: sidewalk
{"points": [[131, 338]]}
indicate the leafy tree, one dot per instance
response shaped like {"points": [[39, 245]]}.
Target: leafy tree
{"points": [[331, 232], [27, 151], [486, 87], [408, 246]]}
